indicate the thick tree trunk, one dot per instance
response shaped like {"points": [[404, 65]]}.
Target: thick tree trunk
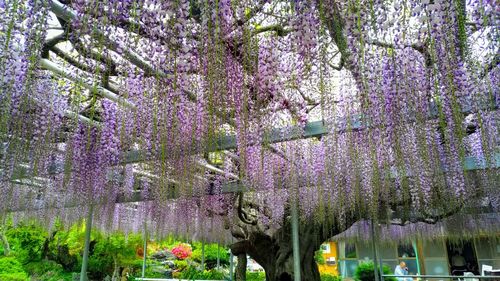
{"points": [[281, 269], [241, 268], [275, 253]]}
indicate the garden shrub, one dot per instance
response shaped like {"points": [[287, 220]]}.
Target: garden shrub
{"points": [[100, 265], [193, 273], [115, 247], [47, 271], [318, 257], [176, 274], [149, 273], [330, 277], [135, 265], [12, 270], [60, 253], [182, 251], [256, 276], [365, 272], [26, 242], [181, 264], [210, 254], [10, 265], [20, 276]]}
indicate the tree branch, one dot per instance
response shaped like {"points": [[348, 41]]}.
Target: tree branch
{"points": [[427, 217], [337, 67], [313, 106], [492, 65], [242, 215], [251, 13], [65, 13], [422, 48], [280, 31], [309, 100]]}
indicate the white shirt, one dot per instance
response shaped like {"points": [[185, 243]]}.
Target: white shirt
{"points": [[400, 271]]}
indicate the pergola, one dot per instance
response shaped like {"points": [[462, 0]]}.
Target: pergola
{"points": [[105, 85]]}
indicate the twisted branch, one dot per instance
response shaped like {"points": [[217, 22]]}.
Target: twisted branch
{"points": [[242, 214]]}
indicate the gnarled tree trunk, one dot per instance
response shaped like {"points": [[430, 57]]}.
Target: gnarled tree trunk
{"points": [[275, 253], [241, 268]]}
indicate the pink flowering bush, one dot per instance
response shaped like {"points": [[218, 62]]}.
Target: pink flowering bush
{"points": [[182, 251]]}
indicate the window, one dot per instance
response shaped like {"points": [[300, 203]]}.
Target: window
{"points": [[436, 267], [406, 250], [485, 248], [488, 252], [386, 252], [406, 253], [388, 255], [350, 251], [364, 251], [434, 249], [325, 248], [436, 257], [349, 267], [348, 261]]}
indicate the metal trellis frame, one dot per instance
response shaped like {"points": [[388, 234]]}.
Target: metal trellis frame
{"points": [[316, 129]]}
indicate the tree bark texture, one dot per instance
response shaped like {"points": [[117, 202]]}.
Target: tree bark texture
{"points": [[275, 253], [241, 268]]}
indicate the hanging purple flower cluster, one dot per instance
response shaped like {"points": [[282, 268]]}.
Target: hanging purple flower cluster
{"points": [[93, 153], [154, 88], [305, 25]]}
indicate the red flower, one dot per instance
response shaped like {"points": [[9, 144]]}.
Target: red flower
{"points": [[182, 251]]}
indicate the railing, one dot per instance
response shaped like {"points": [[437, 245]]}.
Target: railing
{"points": [[461, 277]]}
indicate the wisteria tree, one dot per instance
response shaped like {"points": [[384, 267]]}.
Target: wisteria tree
{"points": [[213, 119]]}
